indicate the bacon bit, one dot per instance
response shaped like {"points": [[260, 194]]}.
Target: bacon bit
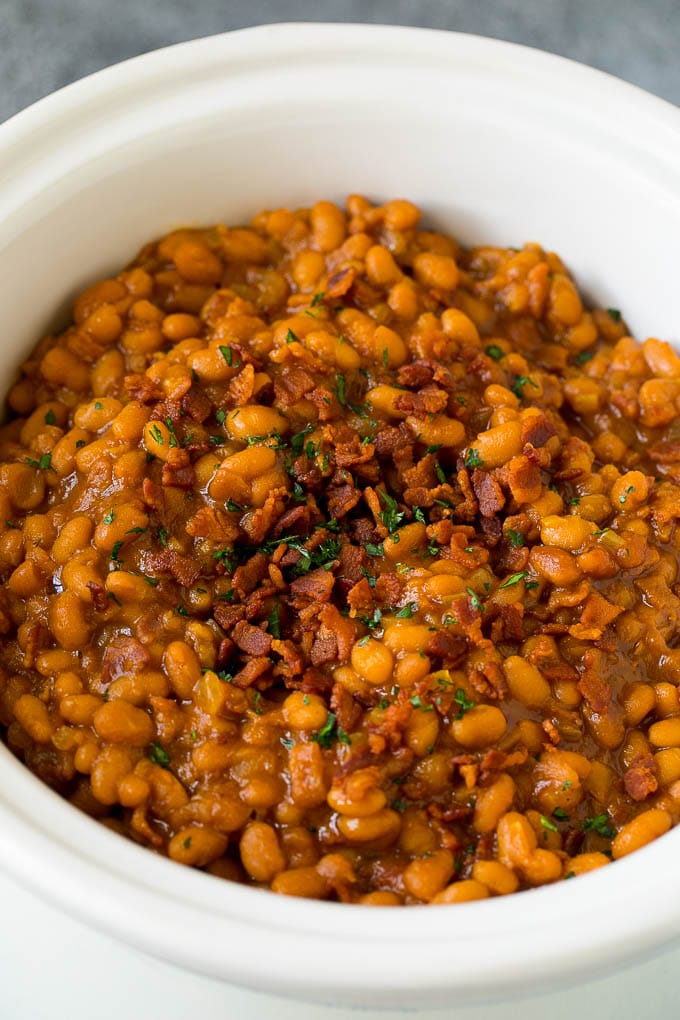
{"points": [[241, 387], [100, 600], [228, 616], [599, 612], [197, 405], [488, 492], [247, 577], [342, 499], [450, 648], [512, 617], [429, 400], [639, 778], [213, 524], [251, 640], [454, 813], [551, 730], [153, 495], [488, 680], [353, 452], [499, 761], [466, 510], [290, 654], [184, 569], [360, 598], [537, 430], [325, 402], [257, 523], [388, 589], [593, 686], [297, 519], [344, 629], [85, 347], [416, 376], [177, 470], [123, 655], [292, 386], [523, 478], [346, 709], [167, 409], [314, 587], [340, 282], [253, 670], [470, 775], [37, 637], [394, 723], [324, 647], [143, 389]]}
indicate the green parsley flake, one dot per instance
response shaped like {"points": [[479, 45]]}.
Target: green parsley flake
{"points": [[110, 517], [159, 756], [514, 579], [495, 352], [472, 459]]}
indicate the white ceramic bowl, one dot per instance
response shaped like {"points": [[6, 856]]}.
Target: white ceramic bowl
{"points": [[497, 143]]}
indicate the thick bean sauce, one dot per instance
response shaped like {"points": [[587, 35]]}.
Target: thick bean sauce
{"points": [[341, 560]]}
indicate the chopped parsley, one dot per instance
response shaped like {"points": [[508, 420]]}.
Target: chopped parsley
{"points": [[274, 624], [560, 814], [464, 705], [159, 756], [439, 471], [472, 458], [519, 382], [474, 600], [163, 537], [406, 612], [514, 579], [624, 495], [326, 735], [391, 516], [614, 314], [182, 610], [495, 352], [340, 389], [583, 357], [44, 463], [110, 517], [288, 743], [600, 825], [221, 416], [374, 550], [157, 434], [228, 355], [116, 550], [50, 417], [291, 338], [547, 824], [233, 507]]}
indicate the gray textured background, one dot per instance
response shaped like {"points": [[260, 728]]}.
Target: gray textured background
{"points": [[45, 44]]}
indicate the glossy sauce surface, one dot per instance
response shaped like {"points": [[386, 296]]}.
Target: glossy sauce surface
{"points": [[339, 559]]}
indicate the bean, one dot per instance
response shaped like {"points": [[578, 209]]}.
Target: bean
{"points": [[438, 272], [68, 621], [492, 803], [32, 715], [121, 723], [305, 711], [526, 682], [464, 891], [107, 770], [480, 727], [497, 878], [498, 445], [253, 420], [427, 876], [373, 661], [197, 846], [641, 830], [305, 882], [665, 733], [260, 852], [25, 486], [381, 826], [328, 225]]}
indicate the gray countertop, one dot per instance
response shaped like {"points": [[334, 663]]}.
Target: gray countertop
{"points": [[45, 44]]}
